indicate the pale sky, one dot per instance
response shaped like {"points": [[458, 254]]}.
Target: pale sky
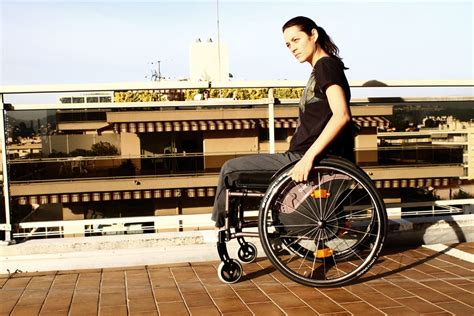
{"points": [[55, 42]]}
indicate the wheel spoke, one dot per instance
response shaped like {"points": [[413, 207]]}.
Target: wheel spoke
{"points": [[325, 239]]}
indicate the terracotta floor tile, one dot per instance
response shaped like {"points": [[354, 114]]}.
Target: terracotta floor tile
{"points": [[83, 309], [191, 287], [230, 305], [249, 284], [160, 273], [359, 288], [205, 272], [252, 296], [220, 291], [116, 310], [457, 308], [32, 298], [163, 282], [16, 283], [26, 310], [87, 283], [56, 303], [167, 294], [300, 311], [66, 279], [414, 274], [443, 287], [361, 308], [272, 287], [340, 295], [428, 268], [460, 271], [113, 290], [323, 305], [66, 292], [431, 295], [141, 305], [408, 284], [54, 313], [112, 299], [197, 299], [8, 298], [139, 293], [172, 309], [286, 300], [41, 282], [379, 300], [265, 309], [466, 287], [304, 292], [204, 311], [419, 305], [401, 310], [465, 297], [148, 313], [86, 298]]}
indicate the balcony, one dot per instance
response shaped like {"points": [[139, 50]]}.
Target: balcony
{"points": [[169, 152]]}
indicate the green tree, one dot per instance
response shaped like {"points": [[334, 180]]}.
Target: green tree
{"points": [[104, 149]]}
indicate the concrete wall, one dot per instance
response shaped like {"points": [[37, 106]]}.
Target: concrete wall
{"points": [[366, 145], [232, 143]]}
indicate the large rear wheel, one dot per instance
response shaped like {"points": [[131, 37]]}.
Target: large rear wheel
{"points": [[326, 231]]}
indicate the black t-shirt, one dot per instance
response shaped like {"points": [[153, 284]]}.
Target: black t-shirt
{"points": [[314, 112]]}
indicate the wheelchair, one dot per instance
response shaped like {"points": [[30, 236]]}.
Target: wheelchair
{"points": [[323, 232]]}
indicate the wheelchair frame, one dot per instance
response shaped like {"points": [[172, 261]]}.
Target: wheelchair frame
{"points": [[342, 248]]}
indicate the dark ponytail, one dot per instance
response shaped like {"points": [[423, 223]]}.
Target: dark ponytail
{"points": [[325, 42]]}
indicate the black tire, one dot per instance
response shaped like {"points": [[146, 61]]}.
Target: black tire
{"points": [[247, 253], [326, 231], [230, 271]]}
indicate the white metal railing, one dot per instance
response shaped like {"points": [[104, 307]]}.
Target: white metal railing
{"points": [[107, 226], [133, 225], [176, 85]]}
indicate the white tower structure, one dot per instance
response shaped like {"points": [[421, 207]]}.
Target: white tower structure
{"points": [[205, 62]]}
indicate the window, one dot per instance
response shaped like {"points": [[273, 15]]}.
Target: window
{"points": [[65, 100], [107, 99], [78, 100], [92, 99]]}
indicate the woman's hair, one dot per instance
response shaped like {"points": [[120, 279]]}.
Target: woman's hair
{"points": [[325, 42]]}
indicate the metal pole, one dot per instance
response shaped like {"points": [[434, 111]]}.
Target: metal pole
{"points": [[271, 120], [6, 192]]}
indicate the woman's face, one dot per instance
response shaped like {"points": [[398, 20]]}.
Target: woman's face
{"points": [[300, 44]]}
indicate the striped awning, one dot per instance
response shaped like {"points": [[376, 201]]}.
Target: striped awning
{"points": [[280, 123], [371, 121], [178, 126], [222, 125], [116, 196], [412, 183]]}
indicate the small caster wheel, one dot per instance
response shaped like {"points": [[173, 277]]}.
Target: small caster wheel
{"points": [[247, 252], [230, 271]]}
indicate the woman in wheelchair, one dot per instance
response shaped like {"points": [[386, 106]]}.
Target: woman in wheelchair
{"points": [[320, 220]]}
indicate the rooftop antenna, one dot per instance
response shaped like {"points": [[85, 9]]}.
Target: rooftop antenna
{"points": [[156, 75], [218, 45]]}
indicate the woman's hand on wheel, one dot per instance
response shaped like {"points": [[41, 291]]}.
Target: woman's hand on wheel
{"points": [[302, 168]]}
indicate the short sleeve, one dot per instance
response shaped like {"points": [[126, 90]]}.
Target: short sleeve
{"points": [[328, 72]]}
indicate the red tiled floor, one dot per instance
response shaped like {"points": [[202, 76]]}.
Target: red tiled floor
{"points": [[403, 282]]}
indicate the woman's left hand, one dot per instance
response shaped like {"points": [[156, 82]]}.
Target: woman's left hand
{"points": [[302, 168]]}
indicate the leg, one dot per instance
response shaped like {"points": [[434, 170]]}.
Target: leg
{"points": [[253, 163]]}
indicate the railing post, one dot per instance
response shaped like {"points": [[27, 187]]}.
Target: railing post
{"points": [[271, 120], [5, 183]]}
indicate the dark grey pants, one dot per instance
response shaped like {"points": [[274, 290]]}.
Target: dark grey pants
{"points": [[257, 163]]}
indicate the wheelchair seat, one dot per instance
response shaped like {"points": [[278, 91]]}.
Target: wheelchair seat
{"points": [[249, 180]]}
